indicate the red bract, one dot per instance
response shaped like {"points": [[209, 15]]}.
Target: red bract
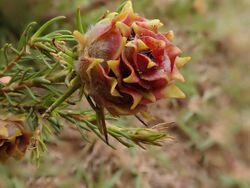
{"points": [[126, 63]]}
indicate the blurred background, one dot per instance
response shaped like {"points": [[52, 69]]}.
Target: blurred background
{"points": [[211, 140]]}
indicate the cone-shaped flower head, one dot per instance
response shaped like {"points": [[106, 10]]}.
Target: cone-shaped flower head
{"points": [[126, 63], [13, 139]]}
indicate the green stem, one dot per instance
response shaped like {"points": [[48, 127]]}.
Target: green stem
{"points": [[75, 85]]}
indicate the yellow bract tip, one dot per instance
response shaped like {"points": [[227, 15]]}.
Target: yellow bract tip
{"points": [[151, 64], [137, 100], [94, 62], [124, 29], [172, 91], [130, 79], [135, 27], [130, 44], [114, 66], [169, 35], [113, 90], [141, 45], [181, 61], [111, 15], [178, 76], [148, 95], [154, 24], [80, 38], [128, 7]]}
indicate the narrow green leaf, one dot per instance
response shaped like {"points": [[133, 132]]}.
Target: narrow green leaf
{"points": [[31, 94], [45, 47], [41, 80], [2, 58], [79, 21], [12, 102], [24, 37], [45, 26]]}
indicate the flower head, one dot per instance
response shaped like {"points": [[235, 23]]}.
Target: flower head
{"points": [[126, 63], [13, 139]]}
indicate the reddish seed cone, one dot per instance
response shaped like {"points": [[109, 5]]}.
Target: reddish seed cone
{"points": [[13, 139], [126, 63]]}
